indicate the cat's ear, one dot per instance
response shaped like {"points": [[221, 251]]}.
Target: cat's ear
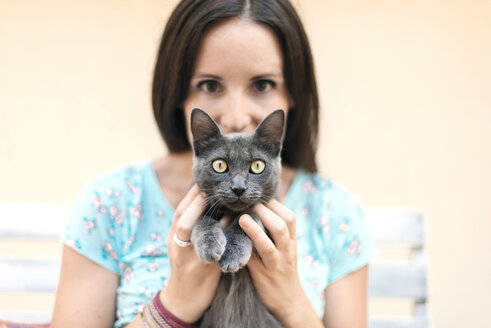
{"points": [[203, 128], [270, 131]]}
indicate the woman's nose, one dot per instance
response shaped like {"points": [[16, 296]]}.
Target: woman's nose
{"points": [[235, 115]]}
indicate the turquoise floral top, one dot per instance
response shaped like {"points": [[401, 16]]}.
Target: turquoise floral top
{"points": [[121, 221]]}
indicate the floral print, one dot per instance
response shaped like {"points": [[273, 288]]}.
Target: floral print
{"points": [[121, 221]]}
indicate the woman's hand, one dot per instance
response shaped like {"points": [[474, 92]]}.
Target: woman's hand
{"points": [[274, 271], [192, 283]]}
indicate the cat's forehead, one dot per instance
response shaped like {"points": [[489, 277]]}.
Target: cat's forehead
{"points": [[237, 145], [238, 139]]}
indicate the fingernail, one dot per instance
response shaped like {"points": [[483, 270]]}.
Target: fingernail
{"points": [[245, 221]]}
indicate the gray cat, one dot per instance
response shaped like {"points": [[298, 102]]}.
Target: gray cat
{"points": [[236, 171]]}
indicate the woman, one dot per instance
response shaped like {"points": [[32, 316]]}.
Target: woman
{"points": [[238, 60]]}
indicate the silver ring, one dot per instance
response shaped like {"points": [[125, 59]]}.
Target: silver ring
{"points": [[181, 243]]}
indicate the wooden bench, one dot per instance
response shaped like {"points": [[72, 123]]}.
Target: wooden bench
{"points": [[32, 272], [397, 228], [43, 222]]}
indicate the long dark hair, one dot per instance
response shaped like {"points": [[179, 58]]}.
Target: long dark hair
{"points": [[177, 54]]}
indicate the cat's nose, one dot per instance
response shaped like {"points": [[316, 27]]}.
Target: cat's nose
{"points": [[238, 185], [238, 190]]}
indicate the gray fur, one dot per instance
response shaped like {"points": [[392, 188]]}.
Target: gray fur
{"points": [[234, 192], [208, 239]]}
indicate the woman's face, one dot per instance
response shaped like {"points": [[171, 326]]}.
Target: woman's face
{"points": [[238, 76]]}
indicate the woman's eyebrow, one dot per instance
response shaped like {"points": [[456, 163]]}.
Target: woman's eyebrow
{"points": [[205, 76], [255, 77], [267, 75]]}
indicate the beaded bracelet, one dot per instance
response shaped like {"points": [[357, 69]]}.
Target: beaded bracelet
{"points": [[162, 317], [142, 316]]}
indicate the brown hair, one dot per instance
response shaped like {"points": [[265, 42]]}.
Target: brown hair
{"points": [[176, 58]]}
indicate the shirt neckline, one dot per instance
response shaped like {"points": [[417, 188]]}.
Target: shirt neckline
{"points": [[289, 200], [156, 185]]}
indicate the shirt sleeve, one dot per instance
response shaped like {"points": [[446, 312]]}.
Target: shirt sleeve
{"points": [[90, 230], [351, 246]]}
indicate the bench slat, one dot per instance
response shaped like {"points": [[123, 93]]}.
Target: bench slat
{"points": [[41, 275], [33, 220], [413, 322], [388, 226], [392, 226], [33, 318], [36, 275], [404, 281]]}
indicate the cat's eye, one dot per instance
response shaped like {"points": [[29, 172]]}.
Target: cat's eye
{"points": [[257, 166], [219, 165]]}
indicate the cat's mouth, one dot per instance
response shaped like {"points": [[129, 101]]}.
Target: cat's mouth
{"points": [[237, 204]]}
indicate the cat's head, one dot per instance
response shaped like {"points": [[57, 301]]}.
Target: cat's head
{"points": [[237, 170]]}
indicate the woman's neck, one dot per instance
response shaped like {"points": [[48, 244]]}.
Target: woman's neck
{"points": [[175, 175]]}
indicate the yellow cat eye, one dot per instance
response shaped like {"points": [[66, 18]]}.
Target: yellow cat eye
{"points": [[257, 166], [219, 165]]}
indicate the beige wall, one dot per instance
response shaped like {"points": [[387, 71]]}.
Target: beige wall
{"points": [[406, 105]]}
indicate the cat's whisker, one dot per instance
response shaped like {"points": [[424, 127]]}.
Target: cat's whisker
{"points": [[264, 199], [210, 202], [215, 210], [213, 206], [210, 199]]}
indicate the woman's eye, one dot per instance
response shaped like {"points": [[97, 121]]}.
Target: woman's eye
{"points": [[219, 165], [257, 166], [263, 85], [209, 86]]}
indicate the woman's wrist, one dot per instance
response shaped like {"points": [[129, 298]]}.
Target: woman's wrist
{"points": [[155, 315], [300, 313], [160, 312], [185, 312]]}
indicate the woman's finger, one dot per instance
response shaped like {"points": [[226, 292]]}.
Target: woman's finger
{"points": [[225, 221], [254, 263], [276, 225], [264, 246], [286, 214], [186, 222], [184, 204]]}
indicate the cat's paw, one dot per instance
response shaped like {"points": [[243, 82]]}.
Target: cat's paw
{"points": [[210, 246], [235, 257]]}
